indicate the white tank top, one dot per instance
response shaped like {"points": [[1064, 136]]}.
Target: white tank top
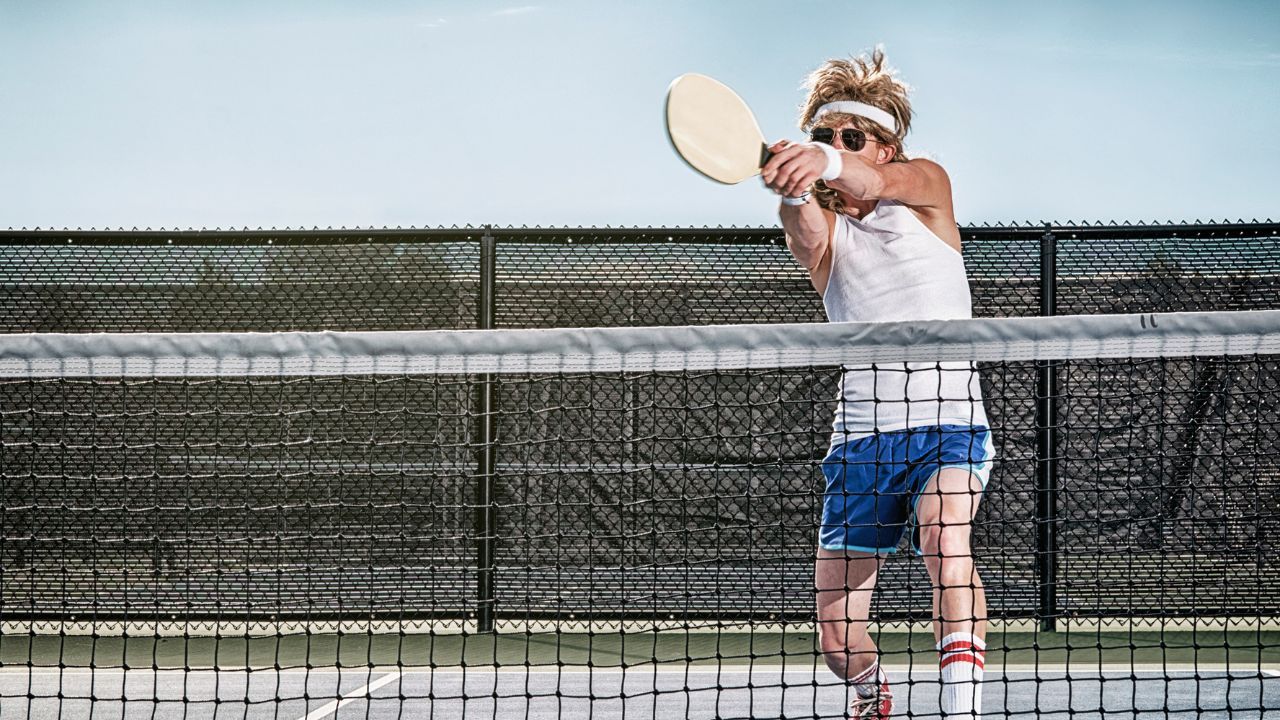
{"points": [[888, 266]]}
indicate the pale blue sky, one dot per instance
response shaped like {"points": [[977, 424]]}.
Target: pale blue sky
{"points": [[328, 113]]}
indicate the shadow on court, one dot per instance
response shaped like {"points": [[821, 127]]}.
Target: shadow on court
{"points": [[764, 692], [663, 674]]}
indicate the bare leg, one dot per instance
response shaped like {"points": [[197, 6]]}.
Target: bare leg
{"points": [[944, 514], [844, 582]]}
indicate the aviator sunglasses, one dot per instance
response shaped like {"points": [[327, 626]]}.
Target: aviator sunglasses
{"points": [[853, 140]]}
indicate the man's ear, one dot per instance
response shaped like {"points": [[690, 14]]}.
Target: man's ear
{"points": [[886, 153]]}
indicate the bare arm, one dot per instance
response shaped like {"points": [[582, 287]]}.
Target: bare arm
{"points": [[918, 183], [921, 185], [808, 228]]}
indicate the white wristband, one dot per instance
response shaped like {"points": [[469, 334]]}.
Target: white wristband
{"points": [[799, 200], [835, 164]]}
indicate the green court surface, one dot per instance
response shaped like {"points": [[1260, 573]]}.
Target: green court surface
{"points": [[1236, 648]]}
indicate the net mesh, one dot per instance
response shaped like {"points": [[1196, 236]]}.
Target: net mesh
{"points": [[286, 521]]}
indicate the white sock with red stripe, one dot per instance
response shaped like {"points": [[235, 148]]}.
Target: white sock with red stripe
{"points": [[961, 657], [867, 683]]}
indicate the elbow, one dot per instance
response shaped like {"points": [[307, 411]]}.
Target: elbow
{"points": [[875, 187], [805, 247], [806, 250]]}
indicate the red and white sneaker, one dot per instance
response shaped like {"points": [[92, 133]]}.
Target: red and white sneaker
{"points": [[873, 707]]}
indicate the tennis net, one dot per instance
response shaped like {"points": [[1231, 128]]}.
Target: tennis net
{"points": [[622, 522]]}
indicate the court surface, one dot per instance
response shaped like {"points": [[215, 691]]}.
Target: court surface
{"points": [[696, 692], [1201, 673]]}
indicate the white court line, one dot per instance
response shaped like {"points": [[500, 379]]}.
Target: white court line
{"points": [[1104, 668], [1153, 669], [366, 691]]}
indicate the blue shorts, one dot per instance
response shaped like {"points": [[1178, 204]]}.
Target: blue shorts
{"points": [[874, 482]]}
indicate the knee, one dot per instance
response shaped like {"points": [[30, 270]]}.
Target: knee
{"points": [[841, 646], [941, 541], [839, 636]]}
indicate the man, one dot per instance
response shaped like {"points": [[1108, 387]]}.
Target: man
{"points": [[911, 448]]}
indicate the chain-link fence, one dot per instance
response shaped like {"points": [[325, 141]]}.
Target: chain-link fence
{"points": [[1065, 507], [272, 281]]}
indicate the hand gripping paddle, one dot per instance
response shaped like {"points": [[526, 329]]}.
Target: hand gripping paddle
{"points": [[713, 130]]}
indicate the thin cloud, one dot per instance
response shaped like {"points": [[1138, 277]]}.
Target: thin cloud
{"points": [[1241, 59], [467, 20], [1270, 59], [522, 10]]}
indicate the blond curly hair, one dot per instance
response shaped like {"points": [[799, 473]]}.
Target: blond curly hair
{"points": [[865, 79]]}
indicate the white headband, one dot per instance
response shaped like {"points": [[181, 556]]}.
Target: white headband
{"points": [[869, 112]]}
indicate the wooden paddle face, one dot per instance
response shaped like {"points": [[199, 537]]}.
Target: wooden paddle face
{"points": [[713, 129]]}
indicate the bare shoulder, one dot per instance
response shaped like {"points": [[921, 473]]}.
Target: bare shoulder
{"points": [[921, 183], [937, 212], [931, 169]]}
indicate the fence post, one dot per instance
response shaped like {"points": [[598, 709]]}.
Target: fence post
{"points": [[1046, 419], [483, 444]]}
